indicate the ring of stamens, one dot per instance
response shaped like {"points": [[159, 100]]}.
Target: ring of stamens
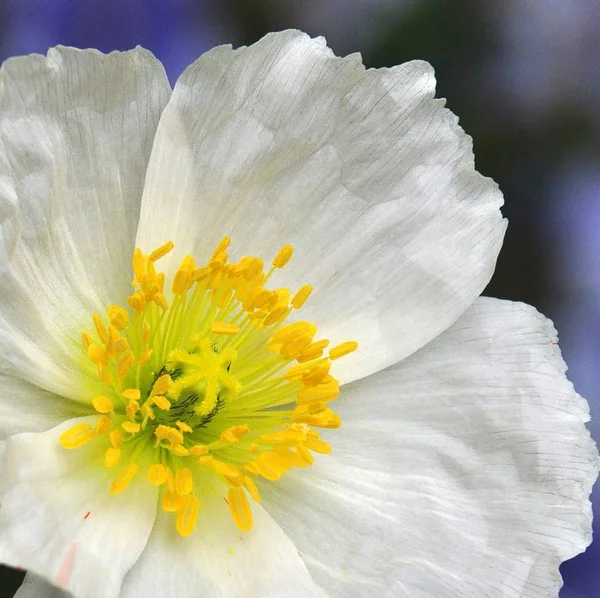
{"points": [[213, 384]]}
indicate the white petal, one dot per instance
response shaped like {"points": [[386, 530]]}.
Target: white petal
{"points": [[28, 408], [219, 561], [34, 586], [364, 172], [59, 521], [463, 471], [76, 128]]}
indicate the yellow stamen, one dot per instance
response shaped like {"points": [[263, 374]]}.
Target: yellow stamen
{"points": [[131, 394], [103, 425], [123, 478], [302, 294], [161, 402], [157, 474], [283, 257], [187, 515], [112, 456], [97, 355], [161, 251], [240, 509], [183, 482], [131, 427], [77, 436], [162, 385], [343, 349], [224, 328], [102, 404], [118, 317]]}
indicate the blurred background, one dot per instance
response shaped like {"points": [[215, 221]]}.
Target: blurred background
{"points": [[524, 77]]}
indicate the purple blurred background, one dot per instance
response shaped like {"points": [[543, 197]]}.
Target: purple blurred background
{"points": [[524, 77]]}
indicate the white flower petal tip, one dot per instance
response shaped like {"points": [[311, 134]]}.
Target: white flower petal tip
{"points": [[76, 131], [59, 521], [219, 561], [469, 472], [363, 171]]}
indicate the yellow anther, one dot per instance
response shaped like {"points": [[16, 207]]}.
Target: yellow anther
{"points": [[116, 438], [276, 315], [97, 355], [317, 374], [102, 404], [174, 436], [222, 246], [283, 257], [290, 457], [256, 298], [160, 300], [302, 294], [284, 437], [313, 351], [305, 454], [139, 265], [251, 488], [118, 317], [229, 472], [234, 433], [131, 427], [123, 478], [343, 349], [145, 356], [146, 333], [77, 436], [131, 394], [161, 251], [179, 450], [162, 385], [318, 445], [103, 425], [112, 456], [266, 471], [87, 341], [131, 409], [199, 274], [183, 276], [293, 332], [100, 328], [157, 474], [161, 402], [224, 328], [184, 483], [198, 450], [252, 468], [104, 374], [298, 371], [184, 427], [137, 301], [187, 515], [125, 364], [322, 392], [205, 460], [240, 509], [148, 411], [120, 345], [161, 431], [172, 502], [253, 269]]}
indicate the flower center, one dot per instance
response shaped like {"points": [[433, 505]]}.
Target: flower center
{"points": [[213, 386]]}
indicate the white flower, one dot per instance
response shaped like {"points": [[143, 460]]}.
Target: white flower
{"points": [[463, 466]]}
